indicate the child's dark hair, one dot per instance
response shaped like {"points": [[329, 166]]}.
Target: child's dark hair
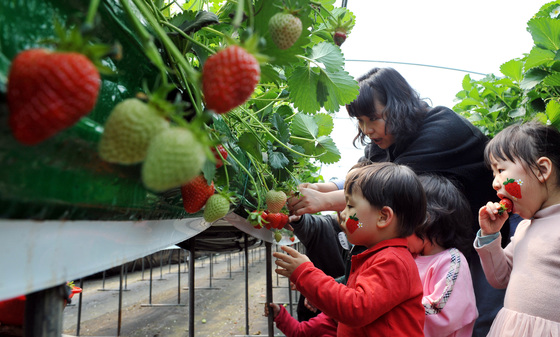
{"points": [[449, 216], [392, 185], [527, 143], [404, 110]]}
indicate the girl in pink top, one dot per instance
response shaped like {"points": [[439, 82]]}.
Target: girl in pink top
{"points": [[525, 160], [438, 247]]}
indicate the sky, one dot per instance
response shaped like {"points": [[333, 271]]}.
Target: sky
{"points": [[476, 35]]}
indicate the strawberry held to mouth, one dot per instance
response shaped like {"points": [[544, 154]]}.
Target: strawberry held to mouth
{"points": [[506, 205]]}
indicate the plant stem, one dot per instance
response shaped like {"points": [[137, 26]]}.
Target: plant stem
{"points": [[186, 36], [171, 49], [92, 10]]}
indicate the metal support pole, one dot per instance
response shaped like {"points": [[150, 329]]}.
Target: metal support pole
{"points": [[43, 312], [120, 301], [245, 236], [269, 299], [191, 287], [80, 308]]}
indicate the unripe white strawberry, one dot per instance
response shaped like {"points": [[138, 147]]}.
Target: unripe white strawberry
{"points": [[284, 29], [216, 208], [173, 159], [128, 131], [275, 201]]}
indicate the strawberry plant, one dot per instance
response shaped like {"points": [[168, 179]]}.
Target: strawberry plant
{"points": [[222, 100], [529, 87]]}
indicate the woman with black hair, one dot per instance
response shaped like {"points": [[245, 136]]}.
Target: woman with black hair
{"points": [[396, 125]]}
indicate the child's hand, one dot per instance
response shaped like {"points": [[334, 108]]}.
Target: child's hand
{"points": [[309, 306], [289, 262], [490, 220], [275, 309]]}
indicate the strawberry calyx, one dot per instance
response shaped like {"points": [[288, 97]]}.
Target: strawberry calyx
{"points": [[73, 39], [506, 205]]}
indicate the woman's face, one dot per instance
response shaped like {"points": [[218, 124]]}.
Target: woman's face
{"points": [[373, 126]]}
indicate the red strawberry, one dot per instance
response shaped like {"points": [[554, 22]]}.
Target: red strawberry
{"points": [[257, 219], [339, 37], [275, 220], [506, 205], [49, 92], [352, 223], [292, 238], [284, 29], [222, 151], [513, 187], [195, 194], [275, 200], [229, 77]]}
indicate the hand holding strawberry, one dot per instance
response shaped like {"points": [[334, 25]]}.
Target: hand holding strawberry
{"points": [[490, 219]]}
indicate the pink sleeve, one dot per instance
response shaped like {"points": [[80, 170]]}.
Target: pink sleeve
{"points": [[321, 325], [497, 262], [449, 299]]}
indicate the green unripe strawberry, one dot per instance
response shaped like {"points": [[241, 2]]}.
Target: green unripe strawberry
{"points": [[284, 29], [277, 236], [128, 131], [173, 159], [216, 208], [275, 201]]}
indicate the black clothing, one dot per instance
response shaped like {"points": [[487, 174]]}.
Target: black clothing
{"points": [[319, 235], [449, 145]]}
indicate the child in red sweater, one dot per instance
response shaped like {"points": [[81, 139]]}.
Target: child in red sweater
{"points": [[385, 202]]}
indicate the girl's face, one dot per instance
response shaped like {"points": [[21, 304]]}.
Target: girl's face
{"points": [[523, 188], [359, 220], [373, 126]]}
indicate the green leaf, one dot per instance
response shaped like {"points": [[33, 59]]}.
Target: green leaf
{"points": [[250, 144], [553, 113], [532, 78], [304, 126], [538, 57], [545, 32], [341, 89], [303, 89], [514, 69], [329, 55], [279, 124], [327, 147], [277, 160], [325, 123], [552, 80], [519, 112], [467, 82]]}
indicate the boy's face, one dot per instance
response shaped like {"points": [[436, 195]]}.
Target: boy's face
{"points": [[359, 220]]}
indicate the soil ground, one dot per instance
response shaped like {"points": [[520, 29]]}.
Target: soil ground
{"points": [[219, 300]]}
